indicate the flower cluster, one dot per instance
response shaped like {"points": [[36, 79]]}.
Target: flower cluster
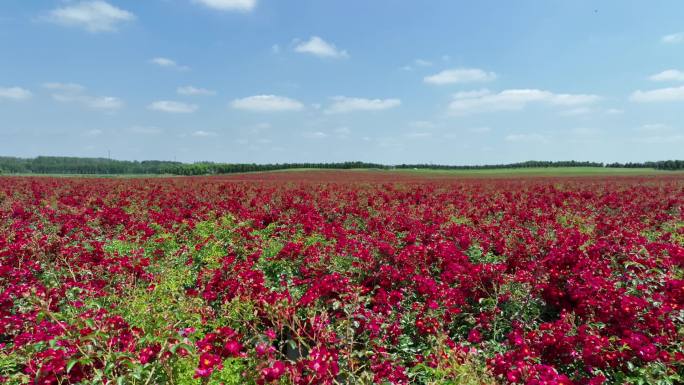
{"points": [[326, 278]]}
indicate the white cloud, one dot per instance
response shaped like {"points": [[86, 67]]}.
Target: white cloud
{"points": [[315, 135], [93, 133], [321, 48], [584, 111], [267, 103], [342, 104], [229, 5], [203, 134], [471, 94], [342, 132], [654, 127], [104, 103], [93, 16], [422, 124], [673, 38], [417, 63], [572, 99], [14, 93], [173, 107], [526, 138], [513, 100], [418, 135], [668, 76], [459, 133], [577, 111], [145, 130], [65, 87], [660, 139], [672, 94], [584, 131], [168, 63], [192, 91], [459, 76], [76, 93], [257, 129]]}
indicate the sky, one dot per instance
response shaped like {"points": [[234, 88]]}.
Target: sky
{"points": [[440, 81]]}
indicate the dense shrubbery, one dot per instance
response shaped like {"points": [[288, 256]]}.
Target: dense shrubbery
{"points": [[215, 281]]}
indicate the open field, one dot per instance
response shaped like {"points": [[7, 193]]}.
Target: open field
{"points": [[343, 277], [378, 175], [546, 171], [504, 172]]}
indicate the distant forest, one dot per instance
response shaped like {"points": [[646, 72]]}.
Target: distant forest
{"points": [[74, 165]]}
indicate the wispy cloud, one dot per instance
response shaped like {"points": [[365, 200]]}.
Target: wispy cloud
{"points": [[654, 127], [318, 47], [422, 63], [418, 135], [315, 135], [76, 93], [584, 111], [417, 63], [513, 100], [14, 93], [527, 138], [194, 91], [168, 63], [579, 111], [671, 94], [93, 16], [229, 5], [668, 76], [173, 107], [423, 124], [203, 134], [267, 103], [460, 76], [460, 133], [674, 38], [145, 130], [660, 139], [93, 133], [342, 132], [343, 104]]}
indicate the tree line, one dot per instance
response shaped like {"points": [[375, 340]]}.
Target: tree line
{"points": [[660, 165], [76, 165]]}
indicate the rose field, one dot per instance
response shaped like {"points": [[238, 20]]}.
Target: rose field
{"points": [[333, 277]]}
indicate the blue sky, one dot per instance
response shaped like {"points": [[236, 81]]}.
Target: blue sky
{"points": [[449, 82]]}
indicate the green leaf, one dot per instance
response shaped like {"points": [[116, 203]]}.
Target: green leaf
{"points": [[293, 345], [71, 364]]}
